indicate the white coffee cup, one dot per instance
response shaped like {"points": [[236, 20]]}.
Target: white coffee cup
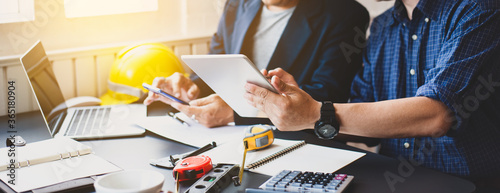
{"points": [[130, 181]]}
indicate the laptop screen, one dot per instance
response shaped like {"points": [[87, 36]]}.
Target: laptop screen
{"points": [[43, 82]]}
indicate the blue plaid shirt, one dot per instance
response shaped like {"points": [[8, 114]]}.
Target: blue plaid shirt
{"points": [[449, 52]]}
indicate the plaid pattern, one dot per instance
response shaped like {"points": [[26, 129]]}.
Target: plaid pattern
{"points": [[449, 52]]}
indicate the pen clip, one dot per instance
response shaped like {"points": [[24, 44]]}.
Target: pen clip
{"points": [[174, 116]]}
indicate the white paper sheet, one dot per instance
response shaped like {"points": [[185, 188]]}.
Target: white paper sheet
{"points": [[195, 135], [311, 157], [41, 175], [305, 158]]}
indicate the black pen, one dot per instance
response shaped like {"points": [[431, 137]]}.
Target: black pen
{"points": [[173, 115]]}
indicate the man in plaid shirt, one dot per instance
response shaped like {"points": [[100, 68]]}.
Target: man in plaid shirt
{"points": [[430, 88]]}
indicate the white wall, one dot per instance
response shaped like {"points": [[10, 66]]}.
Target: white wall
{"points": [[376, 8]]}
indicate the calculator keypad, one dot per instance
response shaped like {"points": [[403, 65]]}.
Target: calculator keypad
{"points": [[297, 181]]}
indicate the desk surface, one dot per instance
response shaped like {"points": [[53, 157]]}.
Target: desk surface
{"points": [[370, 172]]}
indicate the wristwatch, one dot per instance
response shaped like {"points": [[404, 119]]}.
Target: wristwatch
{"points": [[327, 127]]}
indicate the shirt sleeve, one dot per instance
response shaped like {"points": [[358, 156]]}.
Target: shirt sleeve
{"points": [[362, 89], [217, 42], [464, 59], [362, 85]]}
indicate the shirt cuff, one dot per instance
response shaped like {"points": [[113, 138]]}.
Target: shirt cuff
{"points": [[450, 99]]}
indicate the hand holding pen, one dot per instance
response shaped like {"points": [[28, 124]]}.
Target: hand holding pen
{"points": [[163, 93], [210, 111], [177, 85]]}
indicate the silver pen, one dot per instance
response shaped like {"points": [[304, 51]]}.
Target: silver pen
{"points": [[173, 115]]}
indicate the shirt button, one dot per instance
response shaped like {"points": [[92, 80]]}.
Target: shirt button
{"points": [[414, 37], [412, 71], [426, 20], [407, 145]]}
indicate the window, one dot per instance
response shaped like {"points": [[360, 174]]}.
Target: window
{"points": [[17, 11], [87, 8]]}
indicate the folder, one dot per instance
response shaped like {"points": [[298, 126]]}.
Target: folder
{"points": [[49, 162]]}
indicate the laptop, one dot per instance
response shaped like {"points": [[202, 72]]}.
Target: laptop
{"points": [[87, 122]]}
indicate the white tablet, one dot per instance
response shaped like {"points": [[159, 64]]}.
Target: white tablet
{"points": [[227, 75]]}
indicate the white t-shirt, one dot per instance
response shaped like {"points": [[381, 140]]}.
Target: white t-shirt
{"points": [[268, 32]]}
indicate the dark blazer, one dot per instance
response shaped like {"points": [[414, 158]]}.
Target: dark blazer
{"points": [[320, 45], [311, 46]]}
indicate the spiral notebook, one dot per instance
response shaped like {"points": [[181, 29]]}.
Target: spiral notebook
{"points": [[44, 163], [285, 154]]}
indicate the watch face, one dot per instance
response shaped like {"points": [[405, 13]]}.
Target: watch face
{"points": [[327, 131]]}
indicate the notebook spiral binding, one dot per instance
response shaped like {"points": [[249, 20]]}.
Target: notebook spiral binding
{"points": [[273, 156]]}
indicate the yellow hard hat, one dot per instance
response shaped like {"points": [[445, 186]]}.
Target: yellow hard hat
{"points": [[135, 65]]}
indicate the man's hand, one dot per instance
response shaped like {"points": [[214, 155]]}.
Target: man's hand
{"points": [[210, 111], [291, 110], [280, 73], [177, 85]]}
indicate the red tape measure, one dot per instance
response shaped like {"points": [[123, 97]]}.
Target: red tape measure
{"points": [[192, 167]]}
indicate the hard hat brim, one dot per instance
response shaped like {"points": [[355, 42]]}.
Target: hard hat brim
{"points": [[110, 98]]}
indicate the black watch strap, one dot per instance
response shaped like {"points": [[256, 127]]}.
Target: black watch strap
{"points": [[327, 112]]}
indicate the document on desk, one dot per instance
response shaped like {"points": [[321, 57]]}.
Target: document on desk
{"points": [[50, 162], [195, 134], [285, 154]]}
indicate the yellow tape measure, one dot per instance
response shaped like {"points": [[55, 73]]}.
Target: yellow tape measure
{"points": [[256, 137]]}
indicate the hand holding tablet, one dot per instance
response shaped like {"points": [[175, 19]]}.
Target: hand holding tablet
{"points": [[227, 75]]}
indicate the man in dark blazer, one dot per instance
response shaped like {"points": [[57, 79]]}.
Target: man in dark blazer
{"points": [[320, 47]]}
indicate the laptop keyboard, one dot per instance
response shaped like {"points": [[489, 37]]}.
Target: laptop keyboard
{"points": [[89, 121]]}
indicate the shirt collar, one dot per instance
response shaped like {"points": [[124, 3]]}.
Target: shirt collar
{"points": [[398, 13], [430, 8]]}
